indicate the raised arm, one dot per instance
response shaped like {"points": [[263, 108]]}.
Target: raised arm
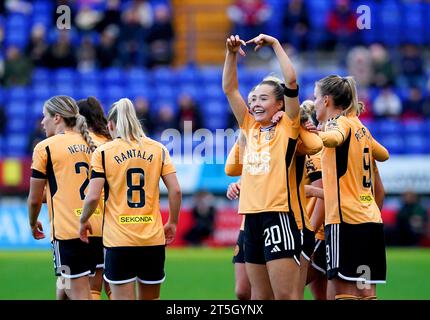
{"points": [[292, 104], [230, 83]]}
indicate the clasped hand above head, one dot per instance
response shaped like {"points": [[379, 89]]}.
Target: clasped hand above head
{"points": [[234, 43]]}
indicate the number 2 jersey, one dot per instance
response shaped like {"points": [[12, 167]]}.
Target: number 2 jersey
{"points": [[347, 171], [132, 173], [64, 160]]}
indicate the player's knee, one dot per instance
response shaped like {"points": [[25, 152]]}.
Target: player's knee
{"points": [[243, 292]]}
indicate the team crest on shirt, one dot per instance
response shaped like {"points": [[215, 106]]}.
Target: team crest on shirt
{"points": [[331, 124], [270, 134]]}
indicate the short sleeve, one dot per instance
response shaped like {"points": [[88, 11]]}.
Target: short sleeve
{"points": [[167, 166], [39, 161], [248, 121], [97, 169]]}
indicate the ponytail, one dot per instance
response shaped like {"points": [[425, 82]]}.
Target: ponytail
{"points": [[356, 107], [81, 125], [123, 114], [343, 92]]}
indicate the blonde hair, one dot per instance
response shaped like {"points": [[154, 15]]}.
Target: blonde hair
{"points": [[123, 114], [306, 109], [67, 108], [343, 90]]}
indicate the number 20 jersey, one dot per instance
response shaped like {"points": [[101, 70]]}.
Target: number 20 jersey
{"points": [[347, 175], [132, 173], [63, 160]]}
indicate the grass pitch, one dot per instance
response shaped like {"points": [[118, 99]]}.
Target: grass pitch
{"points": [[201, 273]]}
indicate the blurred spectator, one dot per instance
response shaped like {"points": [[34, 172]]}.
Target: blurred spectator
{"points": [[19, 6], [359, 63], [141, 104], [160, 38], [411, 221], [341, 25], [111, 16], [249, 17], [364, 97], [411, 67], [426, 108], [37, 47], [189, 110], [37, 135], [204, 217], [383, 68], [165, 120], [86, 55], [2, 8], [387, 104], [131, 39], [61, 53], [106, 50], [296, 25], [143, 8], [17, 68], [87, 18], [413, 106], [3, 121]]}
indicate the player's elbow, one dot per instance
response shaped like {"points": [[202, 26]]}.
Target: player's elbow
{"points": [[34, 201], [175, 191], [92, 198]]}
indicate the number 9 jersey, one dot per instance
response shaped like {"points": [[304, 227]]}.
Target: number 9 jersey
{"points": [[347, 172], [132, 173]]}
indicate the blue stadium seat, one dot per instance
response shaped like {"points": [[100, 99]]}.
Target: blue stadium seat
{"points": [[211, 75], [164, 75], [113, 76], [37, 109], [89, 77], [41, 75], [87, 90], [138, 76], [165, 92], [394, 143], [187, 74], [414, 127], [42, 92], [65, 75], [16, 145], [17, 125], [65, 89], [390, 19], [412, 22], [114, 93], [417, 143], [19, 93], [16, 108], [387, 127]]}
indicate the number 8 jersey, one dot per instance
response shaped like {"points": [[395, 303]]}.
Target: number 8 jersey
{"points": [[63, 160], [132, 173], [347, 157]]}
